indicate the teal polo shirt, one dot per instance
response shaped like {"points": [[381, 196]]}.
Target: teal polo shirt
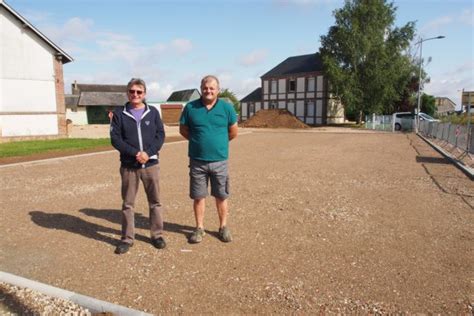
{"points": [[208, 129]]}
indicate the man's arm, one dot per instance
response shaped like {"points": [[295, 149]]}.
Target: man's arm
{"points": [[117, 139], [233, 131], [184, 131], [159, 136]]}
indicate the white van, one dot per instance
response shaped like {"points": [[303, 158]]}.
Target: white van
{"points": [[403, 121], [406, 120]]}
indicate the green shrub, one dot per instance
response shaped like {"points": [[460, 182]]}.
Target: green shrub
{"points": [[457, 119]]}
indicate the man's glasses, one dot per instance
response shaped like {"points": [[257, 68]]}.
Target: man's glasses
{"points": [[139, 92]]}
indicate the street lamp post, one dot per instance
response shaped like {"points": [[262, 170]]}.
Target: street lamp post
{"points": [[417, 126]]}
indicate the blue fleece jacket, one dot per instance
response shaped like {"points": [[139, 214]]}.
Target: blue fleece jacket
{"points": [[130, 137]]}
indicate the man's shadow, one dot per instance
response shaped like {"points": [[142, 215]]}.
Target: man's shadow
{"points": [[98, 232], [78, 226], [141, 221]]}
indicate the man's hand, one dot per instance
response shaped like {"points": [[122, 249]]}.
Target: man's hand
{"points": [[233, 131], [184, 131], [142, 157]]}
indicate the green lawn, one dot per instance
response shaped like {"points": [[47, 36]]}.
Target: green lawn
{"points": [[30, 147]]}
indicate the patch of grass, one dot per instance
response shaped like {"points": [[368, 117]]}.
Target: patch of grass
{"points": [[457, 119], [348, 125], [30, 147]]}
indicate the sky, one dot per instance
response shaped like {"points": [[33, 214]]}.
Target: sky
{"points": [[173, 44]]}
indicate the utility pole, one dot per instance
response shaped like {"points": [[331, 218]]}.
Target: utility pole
{"points": [[417, 126]]}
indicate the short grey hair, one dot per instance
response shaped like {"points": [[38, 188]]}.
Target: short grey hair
{"points": [[138, 82], [209, 78]]}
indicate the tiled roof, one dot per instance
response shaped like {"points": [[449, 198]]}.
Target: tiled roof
{"points": [[102, 98], [254, 96], [183, 95], [99, 88], [296, 65], [71, 100]]}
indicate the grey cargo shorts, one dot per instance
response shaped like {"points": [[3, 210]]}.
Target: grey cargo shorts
{"points": [[200, 172]]}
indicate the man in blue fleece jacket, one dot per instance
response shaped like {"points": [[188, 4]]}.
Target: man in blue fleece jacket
{"points": [[137, 132]]}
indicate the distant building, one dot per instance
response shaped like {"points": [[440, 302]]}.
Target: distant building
{"points": [[298, 85], [467, 99], [251, 104], [444, 106], [184, 95], [172, 108], [91, 103], [31, 80]]}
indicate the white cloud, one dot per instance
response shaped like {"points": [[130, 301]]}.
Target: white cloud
{"points": [[158, 92], [436, 24], [450, 84], [253, 58], [241, 87], [465, 17], [181, 45], [36, 16], [85, 43], [73, 30], [246, 86], [190, 80]]}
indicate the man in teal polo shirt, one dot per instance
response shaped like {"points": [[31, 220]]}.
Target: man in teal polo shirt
{"points": [[209, 124]]}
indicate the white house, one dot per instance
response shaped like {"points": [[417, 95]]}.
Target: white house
{"points": [[31, 80], [298, 85]]}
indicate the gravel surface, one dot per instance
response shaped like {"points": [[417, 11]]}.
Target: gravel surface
{"points": [[20, 301], [322, 221]]}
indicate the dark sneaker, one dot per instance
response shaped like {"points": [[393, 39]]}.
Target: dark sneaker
{"points": [[122, 248], [159, 243], [196, 236], [224, 234]]}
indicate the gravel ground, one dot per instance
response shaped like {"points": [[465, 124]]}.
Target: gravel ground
{"points": [[322, 221], [20, 301]]}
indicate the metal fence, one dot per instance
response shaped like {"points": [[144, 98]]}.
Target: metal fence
{"points": [[454, 134], [379, 122]]}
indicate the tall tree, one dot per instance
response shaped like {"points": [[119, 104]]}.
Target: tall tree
{"points": [[365, 58], [226, 93], [428, 104]]}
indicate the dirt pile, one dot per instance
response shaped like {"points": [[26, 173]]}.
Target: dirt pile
{"points": [[274, 118]]}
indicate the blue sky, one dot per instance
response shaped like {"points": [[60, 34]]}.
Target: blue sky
{"points": [[172, 44]]}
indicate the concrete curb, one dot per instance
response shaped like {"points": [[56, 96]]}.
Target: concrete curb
{"points": [[468, 171], [92, 304]]}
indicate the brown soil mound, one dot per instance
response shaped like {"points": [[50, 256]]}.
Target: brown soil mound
{"points": [[274, 118]]}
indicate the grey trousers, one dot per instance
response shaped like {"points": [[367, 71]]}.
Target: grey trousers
{"points": [[130, 181]]}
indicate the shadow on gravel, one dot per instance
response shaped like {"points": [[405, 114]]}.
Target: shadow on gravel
{"points": [[141, 221], [438, 180], [440, 160], [77, 225]]}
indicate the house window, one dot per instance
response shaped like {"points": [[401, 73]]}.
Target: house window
{"points": [[251, 108], [273, 87], [310, 84], [292, 85], [310, 108], [320, 83]]}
